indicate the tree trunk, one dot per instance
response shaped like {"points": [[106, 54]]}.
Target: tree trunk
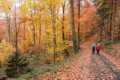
{"points": [[40, 34], [34, 29], [32, 24], [78, 24], [8, 26], [16, 31], [0, 64], [16, 41], [63, 19], [75, 46], [119, 32], [111, 19], [25, 35], [53, 27], [101, 34]]}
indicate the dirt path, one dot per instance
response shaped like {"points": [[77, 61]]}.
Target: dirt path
{"points": [[102, 68], [85, 67]]}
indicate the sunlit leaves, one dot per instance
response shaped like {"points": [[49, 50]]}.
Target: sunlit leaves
{"points": [[5, 50], [5, 5]]}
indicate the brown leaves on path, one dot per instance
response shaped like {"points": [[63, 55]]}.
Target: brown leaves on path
{"points": [[75, 69], [72, 70], [86, 66]]}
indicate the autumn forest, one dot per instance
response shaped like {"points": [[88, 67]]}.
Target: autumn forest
{"points": [[44, 39]]}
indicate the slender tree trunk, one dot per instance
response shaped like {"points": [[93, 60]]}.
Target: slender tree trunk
{"points": [[75, 46], [78, 24], [0, 64], [63, 19], [118, 26], [24, 31], [52, 2], [34, 29], [8, 26], [40, 34], [32, 22], [25, 35], [16, 31], [34, 36], [111, 18], [114, 19], [115, 14], [119, 32], [101, 34], [16, 41]]}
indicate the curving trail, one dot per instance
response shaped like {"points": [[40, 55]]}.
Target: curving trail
{"points": [[86, 66]]}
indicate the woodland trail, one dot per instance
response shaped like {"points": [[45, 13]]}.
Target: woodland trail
{"points": [[85, 66]]}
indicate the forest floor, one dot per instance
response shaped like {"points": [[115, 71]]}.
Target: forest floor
{"points": [[86, 66]]}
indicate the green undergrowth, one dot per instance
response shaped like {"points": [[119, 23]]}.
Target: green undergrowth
{"points": [[38, 71], [110, 47], [41, 70], [2, 71]]}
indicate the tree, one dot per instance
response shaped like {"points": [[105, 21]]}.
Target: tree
{"points": [[63, 20], [109, 22], [79, 24], [75, 46], [16, 29], [52, 7], [17, 65]]}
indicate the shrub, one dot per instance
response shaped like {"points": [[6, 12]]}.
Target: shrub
{"points": [[17, 64]]}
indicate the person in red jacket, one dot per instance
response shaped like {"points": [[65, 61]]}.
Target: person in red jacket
{"points": [[98, 47]]}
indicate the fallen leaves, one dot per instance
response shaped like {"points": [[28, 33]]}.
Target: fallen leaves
{"points": [[85, 67]]}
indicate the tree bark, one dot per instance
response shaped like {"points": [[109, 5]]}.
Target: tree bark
{"points": [[75, 46], [16, 31], [8, 26], [78, 24], [25, 35], [40, 34], [63, 19], [111, 18], [53, 27]]}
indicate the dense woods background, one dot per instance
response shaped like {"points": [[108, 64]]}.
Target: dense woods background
{"points": [[42, 29]]}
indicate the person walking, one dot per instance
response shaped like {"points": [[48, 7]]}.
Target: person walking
{"points": [[98, 47], [93, 48]]}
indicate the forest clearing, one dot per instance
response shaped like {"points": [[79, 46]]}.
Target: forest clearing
{"points": [[59, 39]]}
